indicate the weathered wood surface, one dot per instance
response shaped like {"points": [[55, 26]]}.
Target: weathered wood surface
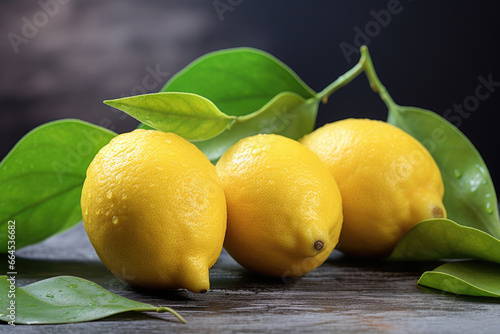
{"points": [[343, 295]]}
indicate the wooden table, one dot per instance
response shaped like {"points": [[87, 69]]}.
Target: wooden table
{"points": [[343, 295]]}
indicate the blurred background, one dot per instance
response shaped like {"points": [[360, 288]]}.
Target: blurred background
{"points": [[62, 58]]}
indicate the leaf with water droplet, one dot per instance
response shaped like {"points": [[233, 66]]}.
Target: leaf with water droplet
{"points": [[468, 187], [78, 300]]}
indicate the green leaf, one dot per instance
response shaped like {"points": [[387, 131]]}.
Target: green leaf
{"points": [[465, 278], [42, 179], [264, 94], [189, 115], [239, 81], [470, 197], [287, 114], [437, 239], [66, 299]]}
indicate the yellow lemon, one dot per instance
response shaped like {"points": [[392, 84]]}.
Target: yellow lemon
{"points": [[389, 182], [154, 210], [284, 207]]}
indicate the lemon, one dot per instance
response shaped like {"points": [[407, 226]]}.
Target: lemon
{"points": [[389, 182], [284, 207], [155, 211]]}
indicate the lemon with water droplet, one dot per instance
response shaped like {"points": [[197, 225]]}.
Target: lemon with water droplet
{"points": [[389, 182], [284, 207], [165, 210]]}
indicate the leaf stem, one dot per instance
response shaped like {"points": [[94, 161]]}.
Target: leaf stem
{"points": [[373, 79], [168, 309], [364, 64], [341, 81]]}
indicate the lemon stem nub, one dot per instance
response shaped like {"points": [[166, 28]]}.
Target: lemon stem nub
{"points": [[437, 212], [318, 245]]}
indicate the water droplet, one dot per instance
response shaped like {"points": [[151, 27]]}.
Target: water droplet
{"points": [[110, 194], [124, 196], [60, 290], [107, 213], [168, 141], [457, 173], [49, 295], [72, 286], [489, 208], [114, 220], [86, 211], [256, 151], [200, 199]]}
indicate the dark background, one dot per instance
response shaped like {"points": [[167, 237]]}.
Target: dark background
{"points": [[430, 55]]}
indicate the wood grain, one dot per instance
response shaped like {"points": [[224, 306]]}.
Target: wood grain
{"points": [[344, 295]]}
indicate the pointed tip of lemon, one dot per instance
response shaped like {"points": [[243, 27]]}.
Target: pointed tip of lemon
{"points": [[195, 277]]}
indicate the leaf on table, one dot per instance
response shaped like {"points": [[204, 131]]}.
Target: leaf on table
{"points": [[471, 278], [42, 179], [66, 299], [437, 239], [239, 81], [469, 197], [191, 116]]}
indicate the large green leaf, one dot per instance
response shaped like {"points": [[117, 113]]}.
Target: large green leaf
{"points": [[465, 278], [470, 197], [42, 177], [239, 81], [189, 115], [437, 239], [261, 91], [65, 299]]}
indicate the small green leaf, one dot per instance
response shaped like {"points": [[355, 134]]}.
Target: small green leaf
{"points": [[189, 115], [239, 81], [66, 299], [437, 239], [465, 278], [470, 197], [287, 114], [42, 179]]}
